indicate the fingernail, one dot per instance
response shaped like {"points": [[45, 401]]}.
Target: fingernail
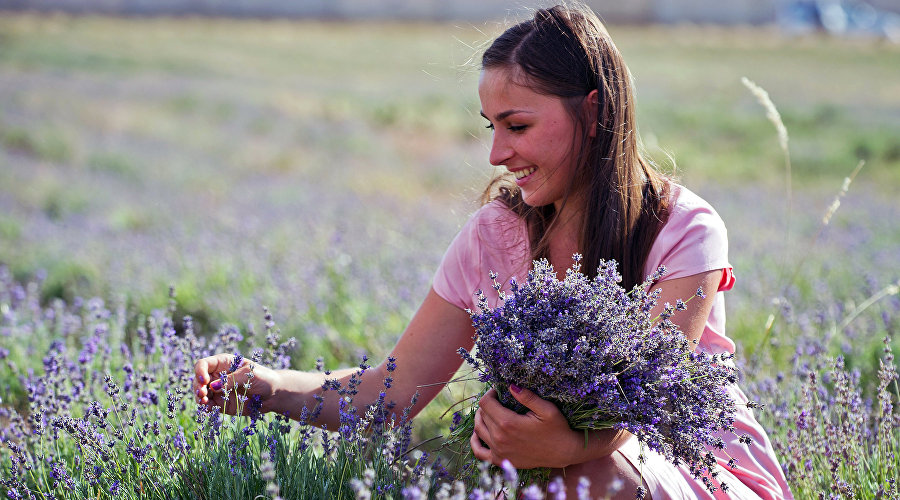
{"points": [[216, 385], [516, 389]]}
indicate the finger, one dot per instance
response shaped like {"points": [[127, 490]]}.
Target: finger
{"points": [[222, 372], [236, 381], [201, 373], [202, 395], [496, 416], [209, 367], [478, 449], [481, 429], [226, 400], [541, 407], [206, 371], [224, 383], [201, 380], [220, 384], [490, 395], [490, 402]]}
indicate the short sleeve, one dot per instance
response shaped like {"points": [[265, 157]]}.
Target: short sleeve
{"points": [[693, 240], [454, 279], [493, 239]]}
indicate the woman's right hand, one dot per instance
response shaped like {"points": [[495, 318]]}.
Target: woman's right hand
{"points": [[249, 379]]}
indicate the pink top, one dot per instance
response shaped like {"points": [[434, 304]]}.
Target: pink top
{"points": [[693, 240]]}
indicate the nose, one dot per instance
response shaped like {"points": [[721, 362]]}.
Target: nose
{"points": [[501, 151]]}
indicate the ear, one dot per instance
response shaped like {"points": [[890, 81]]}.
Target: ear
{"points": [[592, 104]]}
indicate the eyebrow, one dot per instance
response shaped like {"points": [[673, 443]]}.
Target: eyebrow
{"points": [[505, 114]]}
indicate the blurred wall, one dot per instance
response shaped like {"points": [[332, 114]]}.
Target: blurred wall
{"points": [[716, 12], [613, 11]]}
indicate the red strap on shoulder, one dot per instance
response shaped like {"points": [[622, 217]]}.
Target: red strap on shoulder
{"points": [[727, 280]]}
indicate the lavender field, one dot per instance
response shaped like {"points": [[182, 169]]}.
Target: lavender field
{"points": [[320, 170]]}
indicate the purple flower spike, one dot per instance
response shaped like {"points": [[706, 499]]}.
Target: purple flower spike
{"points": [[510, 475], [236, 363]]}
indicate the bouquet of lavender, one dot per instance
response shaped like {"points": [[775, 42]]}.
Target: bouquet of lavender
{"points": [[596, 351]]}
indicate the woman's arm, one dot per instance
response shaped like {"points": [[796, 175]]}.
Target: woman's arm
{"points": [[426, 358], [691, 321], [542, 437]]}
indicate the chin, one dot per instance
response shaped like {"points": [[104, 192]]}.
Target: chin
{"points": [[535, 201]]}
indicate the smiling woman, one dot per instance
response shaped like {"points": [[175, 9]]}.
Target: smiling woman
{"points": [[558, 98], [560, 101]]}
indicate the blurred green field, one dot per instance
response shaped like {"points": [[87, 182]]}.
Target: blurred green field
{"points": [[70, 81]]}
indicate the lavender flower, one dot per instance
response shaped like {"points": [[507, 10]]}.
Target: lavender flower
{"points": [[510, 475], [236, 363], [596, 351], [584, 488], [557, 489], [532, 492]]}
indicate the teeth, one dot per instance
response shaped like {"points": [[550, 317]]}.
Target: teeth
{"points": [[523, 173]]}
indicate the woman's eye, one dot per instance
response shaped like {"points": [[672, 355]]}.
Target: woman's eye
{"points": [[511, 128]]}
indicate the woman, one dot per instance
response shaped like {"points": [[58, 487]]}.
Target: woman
{"points": [[557, 95]]}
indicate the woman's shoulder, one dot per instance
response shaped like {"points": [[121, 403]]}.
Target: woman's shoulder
{"points": [[495, 223], [682, 199], [493, 239], [687, 208], [692, 240], [494, 210]]}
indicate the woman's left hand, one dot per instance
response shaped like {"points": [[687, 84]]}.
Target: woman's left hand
{"points": [[540, 438]]}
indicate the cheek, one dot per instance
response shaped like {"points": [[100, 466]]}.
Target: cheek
{"points": [[560, 145], [561, 154]]}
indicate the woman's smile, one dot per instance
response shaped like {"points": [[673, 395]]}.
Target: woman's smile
{"points": [[522, 173]]}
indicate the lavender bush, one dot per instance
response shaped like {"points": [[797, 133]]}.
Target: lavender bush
{"points": [[109, 415], [597, 351], [834, 439], [836, 434], [93, 409], [835, 429]]}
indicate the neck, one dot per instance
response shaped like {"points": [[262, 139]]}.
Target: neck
{"points": [[565, 234], [569, 217]]}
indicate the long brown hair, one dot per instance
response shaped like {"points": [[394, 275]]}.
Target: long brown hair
{"points": [[565, 51]]}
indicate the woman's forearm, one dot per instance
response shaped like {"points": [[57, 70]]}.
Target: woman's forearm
{"points": [[598, 444], [296, 390], [423, 360]]}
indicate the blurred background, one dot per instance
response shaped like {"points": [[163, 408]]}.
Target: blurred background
{"points": [[317, 157], [839, 16]]}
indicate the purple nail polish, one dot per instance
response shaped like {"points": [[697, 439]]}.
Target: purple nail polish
{"points": [[516, 389], [216, 384]]}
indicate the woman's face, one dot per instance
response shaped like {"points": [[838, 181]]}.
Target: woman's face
{"points": [[534, 136]]}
